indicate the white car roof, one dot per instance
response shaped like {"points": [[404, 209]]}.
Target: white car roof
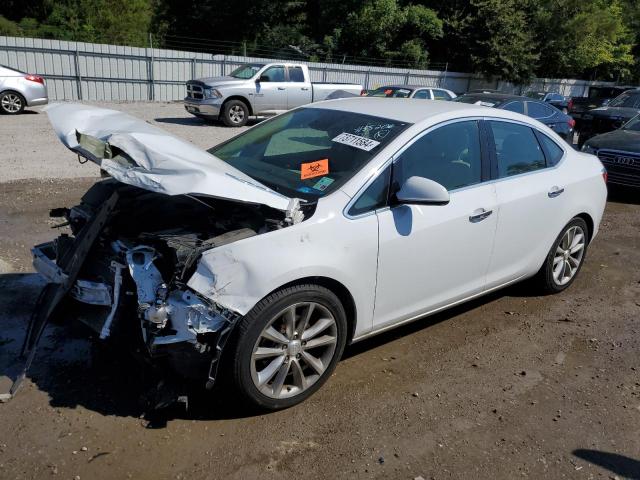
{"points": [[408, 110]]}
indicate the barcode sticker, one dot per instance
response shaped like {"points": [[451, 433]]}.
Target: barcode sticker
{"points": [[356, 141]]}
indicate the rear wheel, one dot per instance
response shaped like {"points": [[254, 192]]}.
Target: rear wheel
{"points": [[235, 113], [288, 346], [565, 258], [11, 103]]}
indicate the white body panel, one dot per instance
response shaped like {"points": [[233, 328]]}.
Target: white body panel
{"points": [[404, 261]]}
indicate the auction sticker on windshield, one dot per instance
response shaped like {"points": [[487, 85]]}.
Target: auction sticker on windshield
{"points": [[356, 141]]}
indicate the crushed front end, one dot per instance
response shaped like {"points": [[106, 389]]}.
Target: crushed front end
{"points": [[124, 267]]}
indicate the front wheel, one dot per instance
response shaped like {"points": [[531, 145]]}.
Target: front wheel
{"points": [[11, 103], [235, 113], [565, 258], [288, 346]]}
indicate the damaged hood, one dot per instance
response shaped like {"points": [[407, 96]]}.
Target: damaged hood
{"points": [[136, 153]]}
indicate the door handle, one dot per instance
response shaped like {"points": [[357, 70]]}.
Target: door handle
{"points": [[555, 191], [281, 88], [305, 88], [479, 215]]}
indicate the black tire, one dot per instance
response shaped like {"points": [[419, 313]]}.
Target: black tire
{"points": [[12, 103], [235, 113], [249, 331], [544, 279]]}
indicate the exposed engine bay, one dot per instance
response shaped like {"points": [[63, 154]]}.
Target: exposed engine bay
{"points": [[132, 285]]}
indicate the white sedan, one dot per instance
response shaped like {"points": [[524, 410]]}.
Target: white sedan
{"points": [[260, 259]]}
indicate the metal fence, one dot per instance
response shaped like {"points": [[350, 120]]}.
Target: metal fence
{"points": [[88, 71]]}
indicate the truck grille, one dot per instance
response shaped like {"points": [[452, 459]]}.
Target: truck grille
{"points": [[623, 168], [195, 91]]}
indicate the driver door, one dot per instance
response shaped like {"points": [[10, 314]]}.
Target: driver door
{"points": [[271, 90], [431, 256]]}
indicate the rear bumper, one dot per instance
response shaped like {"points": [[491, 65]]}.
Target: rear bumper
{"points": [[34, 102], [203, 108]]}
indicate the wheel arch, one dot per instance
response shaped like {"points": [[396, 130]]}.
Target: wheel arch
{"points": [[336, 287], [244, 100], [590, 224]]}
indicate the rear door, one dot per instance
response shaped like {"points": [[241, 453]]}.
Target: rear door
{"points": [[298, 88], [531, 200]]}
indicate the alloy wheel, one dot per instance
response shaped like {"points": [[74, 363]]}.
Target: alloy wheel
{"points": [[236, 114], [294, 350], [11, 103], [569, 254]]}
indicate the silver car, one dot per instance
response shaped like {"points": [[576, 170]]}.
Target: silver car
{"points": [[19, 90]]}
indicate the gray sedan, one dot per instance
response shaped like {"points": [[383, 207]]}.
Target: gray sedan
{"points": [[19, 90]]}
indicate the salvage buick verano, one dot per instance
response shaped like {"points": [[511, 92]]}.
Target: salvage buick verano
{"points": [[259, 260]]}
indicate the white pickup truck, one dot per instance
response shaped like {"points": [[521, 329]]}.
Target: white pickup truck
{"points": [[258, 89]]}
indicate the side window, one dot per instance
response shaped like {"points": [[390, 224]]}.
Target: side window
{"points": [[449, 155], [552, 151], [517, 107], [440, 95], [538, 110], [296, 74], [517, 149], [275, 74], [422, 95], [374, 197]]}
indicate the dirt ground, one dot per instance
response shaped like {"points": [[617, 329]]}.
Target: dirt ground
{"points": [[508, 386]]}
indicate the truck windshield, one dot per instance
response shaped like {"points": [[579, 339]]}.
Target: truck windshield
{"points": [[246, 71], [309, 152]]}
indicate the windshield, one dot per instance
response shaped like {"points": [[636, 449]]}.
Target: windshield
{"points": [[633, 124], [627, 99], [395, 92], [309, 152], [246, 71], [537, 95]]}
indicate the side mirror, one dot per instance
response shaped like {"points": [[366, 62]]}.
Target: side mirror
{"points": [[421, 191], [263, 78]]}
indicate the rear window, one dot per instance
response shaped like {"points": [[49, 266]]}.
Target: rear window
{"points": [[539, 110], [483, 100], [390, 92], [552, 151], [626, 100]]}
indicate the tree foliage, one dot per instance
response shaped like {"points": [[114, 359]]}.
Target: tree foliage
{"points": [[510, 39]]}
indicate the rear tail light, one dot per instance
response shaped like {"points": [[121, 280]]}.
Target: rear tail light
{"points": [[572, 122], [570, 104], [363, 92], [35, 78]]}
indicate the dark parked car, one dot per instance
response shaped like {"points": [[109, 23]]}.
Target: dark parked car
{"points": [[543, 112], [610, 117], [561, 102], [619, 152], [597, 97]]}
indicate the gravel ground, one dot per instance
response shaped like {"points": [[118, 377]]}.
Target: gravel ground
{"points": [[31, 149], [509, 386]]}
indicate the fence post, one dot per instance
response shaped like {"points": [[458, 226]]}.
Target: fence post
{"points": [[324, 74], [193, 68], [366, 80], [224, 64], [443, 81], [78, 75], [152, 94], [406, 78]]}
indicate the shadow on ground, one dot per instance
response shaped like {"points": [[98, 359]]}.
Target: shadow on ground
{"points": [[624, 195], [76, 371], [199, 122], [615, 463]]}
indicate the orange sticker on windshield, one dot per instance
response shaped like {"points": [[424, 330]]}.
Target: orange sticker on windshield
{"points": [[314, 169]]}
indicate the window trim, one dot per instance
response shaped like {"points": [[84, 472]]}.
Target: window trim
{"points": [[484, 159], [536, 131]]}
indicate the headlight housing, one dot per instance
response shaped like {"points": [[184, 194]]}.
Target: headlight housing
{"points": [[586, 148], [212, 93]]}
